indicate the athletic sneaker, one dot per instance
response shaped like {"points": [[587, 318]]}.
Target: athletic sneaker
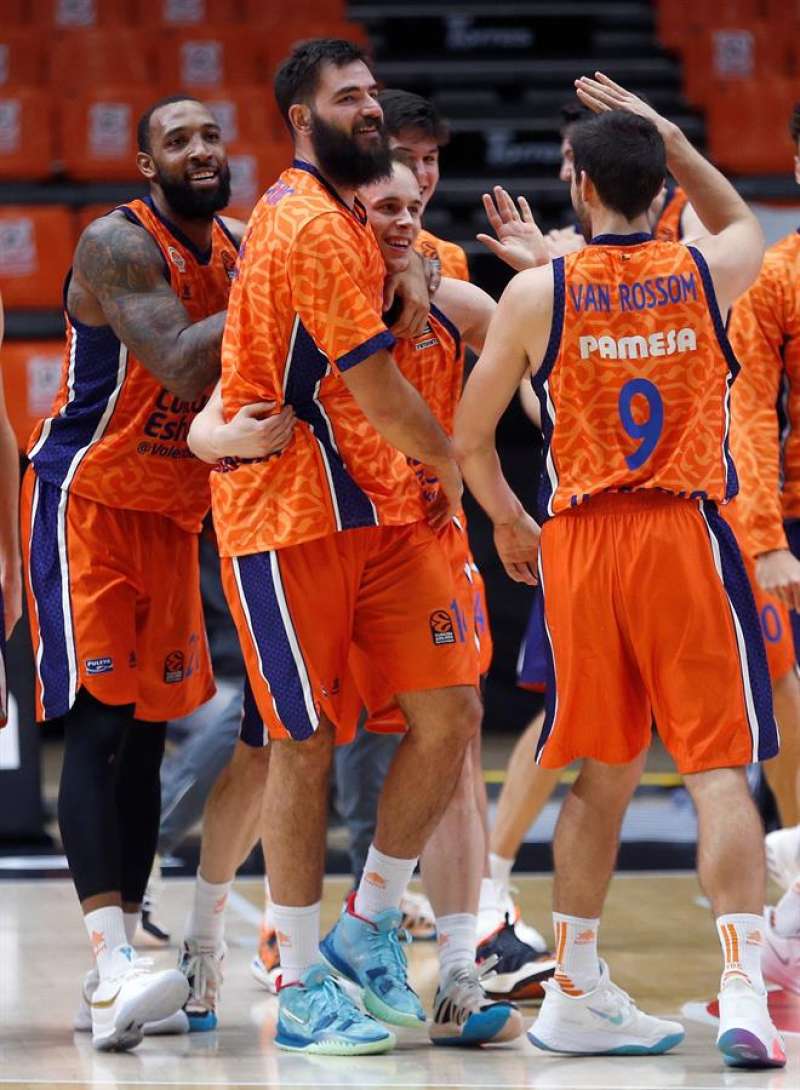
{"points": [[604, 1021], [131, 997], [317, 1016], [201, 964], [149, 931], [747, 1037], [266, 963], [525, 932], [780, 960], [176, 1023], [783, 855], [464, 1015], [519, 971], [418, 918], [370, 954]]}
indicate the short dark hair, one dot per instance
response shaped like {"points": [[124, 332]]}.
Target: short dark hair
{"points": [[624, 157], [570, 113], [143, 127], [403, 110], [298, 76], [794, 123]]}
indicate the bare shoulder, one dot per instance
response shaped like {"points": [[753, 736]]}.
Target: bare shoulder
{"points": [[113, 252], [461, 292], [530, 289]]}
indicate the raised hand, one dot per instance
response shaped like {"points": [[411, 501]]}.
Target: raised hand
{"points": [[602, 93], [518, 242]]}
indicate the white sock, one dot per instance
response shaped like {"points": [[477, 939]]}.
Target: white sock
{"points": [[787, 912], [206, 921], [577, 963], [269, 923], [382, 884], [106, 930], [489, 901], [298, 939], [742, 938], [500, 870], [456, 940], [131, 923]]}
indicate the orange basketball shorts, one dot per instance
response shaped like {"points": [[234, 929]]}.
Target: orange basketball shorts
{"points": [[114, 605], [776, 627], [386, 591], [468, 609], [649, 615]]}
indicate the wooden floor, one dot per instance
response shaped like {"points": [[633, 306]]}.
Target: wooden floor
{"points": [[656, 934]]}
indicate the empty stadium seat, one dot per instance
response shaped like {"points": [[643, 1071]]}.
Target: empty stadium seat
{"points": [[280, 40], [27, 146], [21, 58], [253, 169], [31, 373], [247, 114], [189, 13], [747, 126], [209, 57], [36, 246], [274, 12], [731, 55], [68, 14], [13, 13], [88, 214], [90, 58], [98, 133]]}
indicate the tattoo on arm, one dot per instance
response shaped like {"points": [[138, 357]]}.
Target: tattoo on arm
{"points": [[122, 268]]}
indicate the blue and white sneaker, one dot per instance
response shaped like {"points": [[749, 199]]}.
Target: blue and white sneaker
{"points": [[371, 955], [317, 1016], [201, 964], [604, 1021], [463, 1014]]}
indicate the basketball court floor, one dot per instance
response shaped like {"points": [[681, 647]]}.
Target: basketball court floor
{"points": [[657, 935]]}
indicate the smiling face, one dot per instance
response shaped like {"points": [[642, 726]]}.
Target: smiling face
{"points": [[187, 159], [424, 151], [394, 208]]}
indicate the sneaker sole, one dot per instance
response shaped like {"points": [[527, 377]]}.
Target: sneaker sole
{"points": [[338, 1048], [659, 1048], [129, 1023], [782, 866], [741, 1048], [479, 1029], [202, 1023], [372, 1003]]}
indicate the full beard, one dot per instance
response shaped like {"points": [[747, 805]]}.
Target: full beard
{"points": [[343, 162], [197, 204]]}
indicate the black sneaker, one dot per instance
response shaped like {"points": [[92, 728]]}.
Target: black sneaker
{"points": [[518, 971]]}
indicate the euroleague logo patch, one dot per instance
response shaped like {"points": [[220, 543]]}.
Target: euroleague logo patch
{"points": [[442, 629], [173, 667]]}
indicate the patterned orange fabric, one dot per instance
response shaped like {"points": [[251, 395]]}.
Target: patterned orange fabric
{"points": [[668, 226], [116, 435], [305, 306], [452, 257], [434, 363], [765, 333], [635, 387]]}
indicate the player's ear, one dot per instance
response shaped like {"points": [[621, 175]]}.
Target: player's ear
{"points": [[300, 118], [146, 165]]}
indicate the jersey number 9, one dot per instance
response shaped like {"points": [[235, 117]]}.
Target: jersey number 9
{"points": [[649, 430]]}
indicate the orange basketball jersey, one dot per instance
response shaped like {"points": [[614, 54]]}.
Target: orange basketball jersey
{"points": [[305, 307], [765, 438], [668, 226], [434, 363], [452, 258], [635, 385], [116, 435]]}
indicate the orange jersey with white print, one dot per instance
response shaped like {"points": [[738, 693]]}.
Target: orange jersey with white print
{"points": [[765, 333], [452, 258], [433, 362], [306, 306], [116, 435], [635, 385], [668, 226]]}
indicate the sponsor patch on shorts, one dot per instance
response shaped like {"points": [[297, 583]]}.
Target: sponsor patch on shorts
{"points": [[173, 667], [442, 628], [103, 665]]}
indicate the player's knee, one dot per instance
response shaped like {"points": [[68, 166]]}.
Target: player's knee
{"points": [[463, 714]]}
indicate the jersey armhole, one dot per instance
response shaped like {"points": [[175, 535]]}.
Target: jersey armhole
{"points": [[714, 311]]}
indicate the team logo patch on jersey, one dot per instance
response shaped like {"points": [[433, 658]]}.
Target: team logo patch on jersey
{"points": [[103, 665], [426, 339], [173, 667], [177, 259], [229, 264], [442, 628]]}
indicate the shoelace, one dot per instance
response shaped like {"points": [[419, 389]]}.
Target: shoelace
{"points": [[467, 992], [621, 1001], [201, 969], [387, 949], [329, 1000]]}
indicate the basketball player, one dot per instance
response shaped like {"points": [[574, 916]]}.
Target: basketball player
{"points": [[112, 505], [10, 578], [765, 332], [341, 509], [633, 369]]}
